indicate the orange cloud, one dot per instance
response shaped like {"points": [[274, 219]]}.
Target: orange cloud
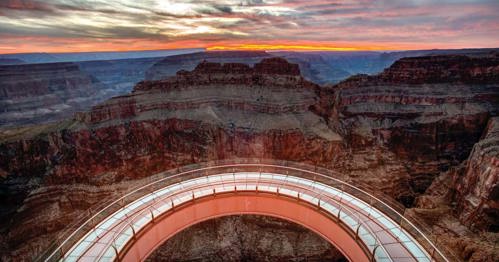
{"points": [[315, 46]]}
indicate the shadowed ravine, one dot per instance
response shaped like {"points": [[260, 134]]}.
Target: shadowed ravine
{"points": [[246, 238]]}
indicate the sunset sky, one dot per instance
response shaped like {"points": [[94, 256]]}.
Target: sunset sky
{"points": [[118, 25]]}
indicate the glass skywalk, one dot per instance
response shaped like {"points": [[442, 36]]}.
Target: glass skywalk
{"points": [[379, 234]]}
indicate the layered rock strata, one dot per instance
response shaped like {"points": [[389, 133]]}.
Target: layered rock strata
{"points": [[170, 65], [425, 110], [214, 112], [393, 132], [246, 238], [477, 191], [461, 204], [45, 92]]}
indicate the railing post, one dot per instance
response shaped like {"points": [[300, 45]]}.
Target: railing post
{"points": [[116, 252], [133, 231], [373, 258], [62, 253], [357, 232]]}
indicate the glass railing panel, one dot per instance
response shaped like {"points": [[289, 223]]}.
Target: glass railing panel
{"points": [[415, 249], [121, 240], [251, 187], [253, 175], [266, 176], [381, 255], [109, 222], [223, 188], [141, 221], [349, 220], [311, 199], [108, 255], [288, 192], [81, 247], [330, 208], [367, 237], [202, 192], [148, 198], [240, 176], [161, 207]]}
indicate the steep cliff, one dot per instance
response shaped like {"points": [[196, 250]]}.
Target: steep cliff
{"points": [[461, 204], [214, 112], [170, 65], [45, 92], [429, 111], [478, 190], [392, 133]]}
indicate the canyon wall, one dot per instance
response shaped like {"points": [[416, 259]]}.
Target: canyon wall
{"points": [[45, 92], [395, 133], [477, 191], [246, 238], [417, 112]]}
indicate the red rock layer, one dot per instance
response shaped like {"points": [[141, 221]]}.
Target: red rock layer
{"points": [[393, 135], [429, 111], [478, 189], [39, 93]]}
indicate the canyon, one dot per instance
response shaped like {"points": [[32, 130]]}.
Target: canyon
{"points": [[45, 92], [424, 132], [52, 87]]}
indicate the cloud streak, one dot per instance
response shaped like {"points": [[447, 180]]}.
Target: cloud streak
{"points": [[76, 25]]}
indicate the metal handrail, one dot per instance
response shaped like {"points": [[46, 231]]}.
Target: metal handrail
{"points": [[147, 208], [57, 249]]}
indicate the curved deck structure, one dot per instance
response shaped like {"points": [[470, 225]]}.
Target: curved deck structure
{"points": [[360, 225]]}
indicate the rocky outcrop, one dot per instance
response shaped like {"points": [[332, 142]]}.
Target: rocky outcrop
{"points": [[461, 207], [385, 134], [440, 115], [478, 189], [44, 92], [171, 65], [246, 238], [444, 69], [193, 117]]}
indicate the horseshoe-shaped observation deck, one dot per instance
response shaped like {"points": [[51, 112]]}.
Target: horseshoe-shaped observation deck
{"points": [[359, 224]]}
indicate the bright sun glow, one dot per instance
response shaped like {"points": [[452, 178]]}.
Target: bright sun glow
{"points": [[283, 47]]}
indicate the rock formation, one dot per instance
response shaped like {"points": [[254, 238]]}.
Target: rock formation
{"points": [[440, 118], [398, 133], [246, 238], [478, 189], [170, 65], [461, 204], [45, 92]]}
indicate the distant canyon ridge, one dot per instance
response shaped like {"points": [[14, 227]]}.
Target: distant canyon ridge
{"points": [[423, 131], [43, 88]]}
